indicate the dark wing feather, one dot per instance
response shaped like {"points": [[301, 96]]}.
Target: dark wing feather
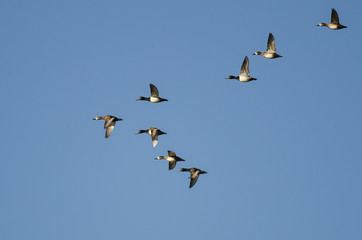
{"points": [[334, 17], [154, 91], [171, 154], [193, 181], [271, 44], [171, 165], [245, 67]]}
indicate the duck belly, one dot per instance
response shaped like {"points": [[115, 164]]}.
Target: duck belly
{"points": [[154, 99], [333, 26], [269, 55], [244, 78]]}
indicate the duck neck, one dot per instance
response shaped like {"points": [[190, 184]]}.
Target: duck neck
{"points": [[144, 99]]}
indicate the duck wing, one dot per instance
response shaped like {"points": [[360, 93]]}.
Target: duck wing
{"points": [[171, 164], [154, 138], [193, 180], [334, 17], [109, 121], [271, 44], [171, 154], [154, 91], [109, 129], [244, 70]]}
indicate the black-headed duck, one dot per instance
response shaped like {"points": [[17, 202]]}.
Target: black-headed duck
{"points": [[154, 133], [334, 24], [271, 51], [244, 72], [171, 158], [154, 98], [109, 123]]}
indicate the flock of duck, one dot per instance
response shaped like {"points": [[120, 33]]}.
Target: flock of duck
{"points": [[172, 158], [271, 51]]}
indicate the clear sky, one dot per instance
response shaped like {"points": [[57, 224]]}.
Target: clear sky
{"points": [[283, 153]]}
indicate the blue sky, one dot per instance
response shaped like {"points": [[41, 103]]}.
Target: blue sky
{"points": [[283, 153]]}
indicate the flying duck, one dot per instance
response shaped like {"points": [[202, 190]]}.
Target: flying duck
{"points": [[154, 133], [154, 96], [194, 174], [171, 158], [109, 123], [244, 72], [334, 24], [271, 51]]}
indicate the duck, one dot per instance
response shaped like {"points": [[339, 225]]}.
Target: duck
{"points": [[244, 72], [110, 122], [334, 24], [271, 51], [154, 98], [154, 133], [194, 174], [171, 158]]}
